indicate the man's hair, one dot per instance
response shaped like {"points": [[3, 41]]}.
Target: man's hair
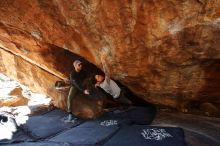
{"points": [[77, 62]]}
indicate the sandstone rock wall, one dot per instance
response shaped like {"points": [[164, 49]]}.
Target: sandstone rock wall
{"points": [[166, 51]]}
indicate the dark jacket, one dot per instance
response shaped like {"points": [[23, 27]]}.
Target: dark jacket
{"points": [[77, 78]]}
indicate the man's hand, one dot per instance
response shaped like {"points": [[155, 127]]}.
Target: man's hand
{"points": [[86, 92], [66, 80]]}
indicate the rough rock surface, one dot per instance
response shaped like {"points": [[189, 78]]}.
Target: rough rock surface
{"points": [[16, 99], [167, 52]]}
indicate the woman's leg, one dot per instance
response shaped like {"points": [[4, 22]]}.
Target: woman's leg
{"points": [[123, 99]]}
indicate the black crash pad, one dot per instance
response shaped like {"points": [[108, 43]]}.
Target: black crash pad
{"points": [[140, 135], [90, 133], [8, 126], [48, 124], [39, 144], [133, 115], [100, 123], [17, 137]]}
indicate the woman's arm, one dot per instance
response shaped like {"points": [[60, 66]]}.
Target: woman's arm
{"points": [[105, 67]]}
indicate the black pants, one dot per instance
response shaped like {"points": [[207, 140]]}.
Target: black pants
{"points": [[123, 99]]}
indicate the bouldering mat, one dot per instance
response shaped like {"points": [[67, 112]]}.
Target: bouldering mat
{"points": [[48, 124], [91, 133], [18, 136], [10, 132], [133, 115], [38, 144], [141, 135]]}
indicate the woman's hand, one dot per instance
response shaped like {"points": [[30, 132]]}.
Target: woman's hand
{"points": [[103, 57], [97, 85], [86, 92]]}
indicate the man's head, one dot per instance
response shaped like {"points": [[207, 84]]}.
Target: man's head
{"points": [[77, 64]]}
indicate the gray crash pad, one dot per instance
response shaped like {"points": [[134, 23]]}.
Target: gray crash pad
{"points": [[140, 135], [48, 124], [91, 133]]}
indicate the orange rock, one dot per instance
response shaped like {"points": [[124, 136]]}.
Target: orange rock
{"points": [[15, 98], [14, 101], [16, 92]]}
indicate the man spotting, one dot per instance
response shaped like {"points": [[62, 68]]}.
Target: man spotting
{"points": [[77, 76]]}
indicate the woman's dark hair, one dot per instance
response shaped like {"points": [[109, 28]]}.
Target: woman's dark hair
{"points": [[93, 80], [100, 73]]}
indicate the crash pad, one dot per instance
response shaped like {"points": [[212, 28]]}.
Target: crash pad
{"points": [[48, 124], [18, 136], [133, 115], [10, 131], [89, 133], [38, 144], [141, 135]]}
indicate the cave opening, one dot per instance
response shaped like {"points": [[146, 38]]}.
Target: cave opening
{"points": [[18, 98], [63, 62], [18, 102]]}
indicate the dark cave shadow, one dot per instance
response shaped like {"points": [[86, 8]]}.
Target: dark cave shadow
{"points": [[207, 99], [63, 60], [209, 92]]}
